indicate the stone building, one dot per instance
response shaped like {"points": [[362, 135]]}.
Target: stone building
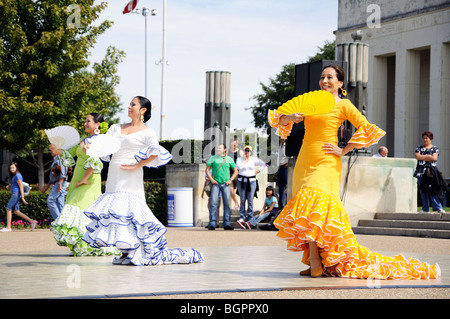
{"points": [[408, 88]]}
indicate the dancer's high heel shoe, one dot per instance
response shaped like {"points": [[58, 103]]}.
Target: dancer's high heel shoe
{"points": [[306, 272]]}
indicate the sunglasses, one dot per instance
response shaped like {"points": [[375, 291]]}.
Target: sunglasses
{"points": [[246, 150]]}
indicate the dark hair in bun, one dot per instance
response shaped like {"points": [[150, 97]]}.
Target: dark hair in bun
{"points": [[98, 118], [148, 105]]}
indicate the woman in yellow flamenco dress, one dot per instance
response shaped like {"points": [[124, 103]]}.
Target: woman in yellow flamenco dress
{"points": [[314, 220]]}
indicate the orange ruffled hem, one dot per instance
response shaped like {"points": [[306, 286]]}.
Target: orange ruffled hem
{"points": [[313, 215]]}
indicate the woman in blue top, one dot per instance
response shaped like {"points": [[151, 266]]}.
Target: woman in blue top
{"points": [[271, 207], [17, 193]]}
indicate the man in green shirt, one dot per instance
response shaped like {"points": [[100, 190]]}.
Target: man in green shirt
{"points": [[218, 173]]}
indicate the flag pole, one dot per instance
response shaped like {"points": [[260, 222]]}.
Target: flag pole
{"points": [[163, 74]]}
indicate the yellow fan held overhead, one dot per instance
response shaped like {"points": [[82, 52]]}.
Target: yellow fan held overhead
{"points": [[311, 103]]}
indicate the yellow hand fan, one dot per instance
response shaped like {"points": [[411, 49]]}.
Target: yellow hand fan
{"points": [[311, 103]]}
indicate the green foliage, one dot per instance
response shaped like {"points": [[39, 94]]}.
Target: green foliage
{"points": [[92, 91], [279, 90], [327, 52], [156, 197], [36, 208], [44, 76], [282, 88], [155, 193]]}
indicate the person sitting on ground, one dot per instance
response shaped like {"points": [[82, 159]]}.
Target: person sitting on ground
{"points": [[271, 207]]}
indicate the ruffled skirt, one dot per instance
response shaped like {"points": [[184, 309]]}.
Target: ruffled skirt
{"points": [[68, 230], [313, 215], [125, 221]]}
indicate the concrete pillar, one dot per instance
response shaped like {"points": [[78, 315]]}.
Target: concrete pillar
{"points": [[379, 89], [407, 94], [439, 105], [444, 118], [217, 104]]}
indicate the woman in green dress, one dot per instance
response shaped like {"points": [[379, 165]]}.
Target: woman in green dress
{"points": [[84, 189]]}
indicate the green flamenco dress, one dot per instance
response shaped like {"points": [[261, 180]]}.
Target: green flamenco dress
{"points": [[70, 226]]}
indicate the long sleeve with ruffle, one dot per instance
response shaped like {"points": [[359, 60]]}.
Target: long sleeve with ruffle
{"points": [[274, 120], [153, 148], [366, 134]]}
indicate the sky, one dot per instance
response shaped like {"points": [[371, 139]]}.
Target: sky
{"points": [[252, 39]]}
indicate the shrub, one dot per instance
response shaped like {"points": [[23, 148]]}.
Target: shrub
{"points": [[155, 195], [36, 209]]}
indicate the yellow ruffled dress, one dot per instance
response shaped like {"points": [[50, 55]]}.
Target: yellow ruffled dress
{"points": [[315, 211]]}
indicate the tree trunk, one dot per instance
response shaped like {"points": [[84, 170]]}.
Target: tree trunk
{"points": [[40, 164]]}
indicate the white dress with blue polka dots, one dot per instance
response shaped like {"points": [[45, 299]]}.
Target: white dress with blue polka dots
{"points": [[121, 217]]}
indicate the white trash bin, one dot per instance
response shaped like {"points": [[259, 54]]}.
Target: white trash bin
{"points": [[180, 207]]}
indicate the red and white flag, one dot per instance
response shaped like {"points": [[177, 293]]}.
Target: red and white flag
{"points": [[130, 6]]}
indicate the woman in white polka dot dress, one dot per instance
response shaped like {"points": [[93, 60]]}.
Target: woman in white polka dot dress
{"points": [[120, 217]]}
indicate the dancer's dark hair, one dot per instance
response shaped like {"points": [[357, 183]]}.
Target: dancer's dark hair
{"points": [[148, 105], [98, 118], [340, 74]]}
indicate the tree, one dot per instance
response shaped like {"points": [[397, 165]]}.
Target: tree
{"points": [[282, 88], [44, 80], [327, 52], [279, 90]]}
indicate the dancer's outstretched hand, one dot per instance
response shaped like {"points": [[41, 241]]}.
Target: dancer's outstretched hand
{"points": [[83, 182], [128, 167]]}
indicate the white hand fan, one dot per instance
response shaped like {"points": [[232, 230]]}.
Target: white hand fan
{"points": [[64, 137], [311, 103], [102, 145]]}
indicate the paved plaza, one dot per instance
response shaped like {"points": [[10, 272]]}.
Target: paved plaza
{"points": [[238, 264]]}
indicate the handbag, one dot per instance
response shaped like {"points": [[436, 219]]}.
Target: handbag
{"points": [[207, 185], [26, 188]]}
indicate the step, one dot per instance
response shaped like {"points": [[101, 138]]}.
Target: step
{"points": [[417, 224], [414, 216], [411, 232]]}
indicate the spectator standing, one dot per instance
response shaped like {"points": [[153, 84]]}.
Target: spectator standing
{"points": [[218, 172], [235, 153], [428, 176], [58, 183], [248, 167], [282, 174]]}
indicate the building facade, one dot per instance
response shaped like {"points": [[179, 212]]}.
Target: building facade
{"points": [[408, 89]]}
